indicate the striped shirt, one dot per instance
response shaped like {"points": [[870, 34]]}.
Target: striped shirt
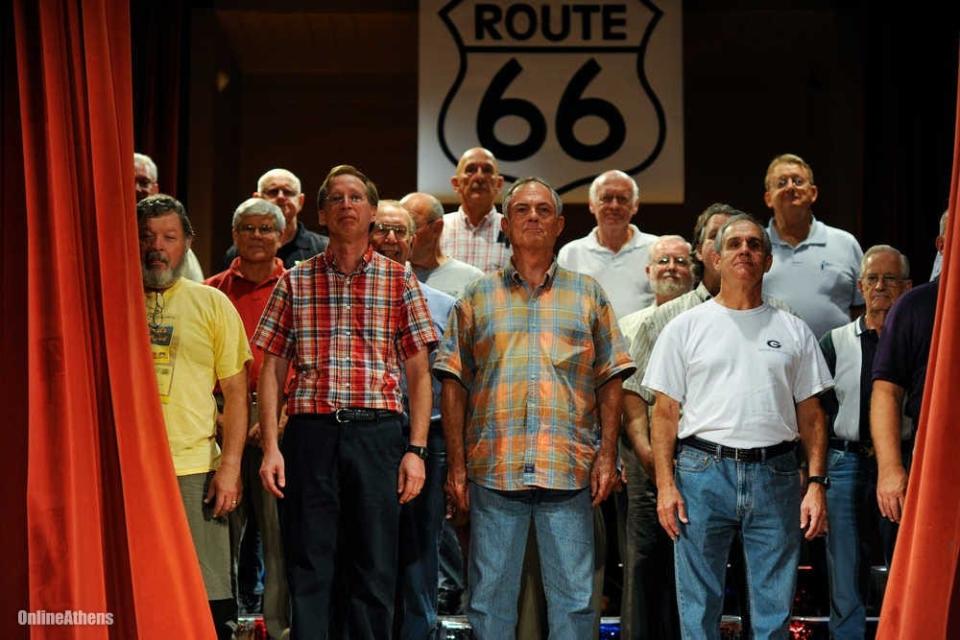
{"points": [[485, 246], [345, 334], [532, 360]]}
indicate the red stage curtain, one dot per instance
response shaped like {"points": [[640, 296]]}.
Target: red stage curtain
{"points": [[93, 516], [921, 599]]}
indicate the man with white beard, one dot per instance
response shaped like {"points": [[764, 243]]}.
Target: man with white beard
{"points": [[645, 608], [197, 340]]}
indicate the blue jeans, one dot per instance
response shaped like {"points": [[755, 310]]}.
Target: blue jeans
{"points": [[500, 521], [761, 501], [846, 510], [420, 523]]}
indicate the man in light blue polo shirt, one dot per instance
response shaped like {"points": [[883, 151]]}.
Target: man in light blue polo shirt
{"points": [[815, 266]]}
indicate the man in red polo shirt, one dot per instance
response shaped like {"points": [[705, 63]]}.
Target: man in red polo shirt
{"points": [[350, 322], [257, 228]]}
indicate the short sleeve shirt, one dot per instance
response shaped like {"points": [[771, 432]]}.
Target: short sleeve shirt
{"points": [[532, 359], [738, 374], [346, 334], [818, 277]]}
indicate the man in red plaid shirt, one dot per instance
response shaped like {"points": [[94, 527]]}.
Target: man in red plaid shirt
{"points": [[347, 320]]}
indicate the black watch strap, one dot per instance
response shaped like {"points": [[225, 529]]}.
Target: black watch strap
{"points": [[420, 451], [824, 480]]}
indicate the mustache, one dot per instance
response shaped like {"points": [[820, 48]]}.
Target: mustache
{"points": [[156, 256]]}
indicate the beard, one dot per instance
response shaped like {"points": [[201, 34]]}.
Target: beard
{"points": [[161, 279], [670, 288]]}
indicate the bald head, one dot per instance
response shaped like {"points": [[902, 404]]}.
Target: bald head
{"points": [[427, 214], [282, 188], [424, 207], [477, 182]]}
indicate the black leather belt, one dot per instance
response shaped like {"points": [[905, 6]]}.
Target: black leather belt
{"points": [[850, 446], [757, 454], [360, 415]]}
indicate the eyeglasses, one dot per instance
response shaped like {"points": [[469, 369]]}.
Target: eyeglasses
{"points": [[143, 181], [873, 280], [610, 199], [680, 261], [798, 181], [273, 192], [249, 229], [399, 230], [354, 198]]}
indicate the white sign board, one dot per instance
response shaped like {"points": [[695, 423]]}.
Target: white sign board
{"points": [[560, 90]]}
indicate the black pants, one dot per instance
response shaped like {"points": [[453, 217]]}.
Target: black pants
{"points": [[340, 516]]}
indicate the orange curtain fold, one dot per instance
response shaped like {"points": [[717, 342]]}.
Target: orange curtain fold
{"points": [[921, 598], [103, 529]]}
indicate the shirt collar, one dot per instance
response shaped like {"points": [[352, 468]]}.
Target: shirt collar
{"points": [[486, 222], [860, 327], [593, 238], [512, 277], [328, 263], [702, 292], [816, 235], [278, 270]]}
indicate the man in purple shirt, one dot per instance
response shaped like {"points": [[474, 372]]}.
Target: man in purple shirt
{"points": [[900, 368]]}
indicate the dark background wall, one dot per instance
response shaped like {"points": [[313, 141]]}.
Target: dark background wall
{"points": [[865, 91]]}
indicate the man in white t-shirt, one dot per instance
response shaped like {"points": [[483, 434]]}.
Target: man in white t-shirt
{"points": [[746, 376]]}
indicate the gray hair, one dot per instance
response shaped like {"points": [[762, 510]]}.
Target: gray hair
{"points": [[262, 179], [885, 248], [744, 217], [436, 207], [525, 181], [943, 222], [613, 173], [159, 205], [662, 239], [148, 162], [411, 223], [259, 207]]}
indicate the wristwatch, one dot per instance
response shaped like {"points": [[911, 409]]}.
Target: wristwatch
{"points": [[824, 480], [420, 451]]}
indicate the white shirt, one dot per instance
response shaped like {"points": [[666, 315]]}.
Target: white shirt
{"points": [[738, 375], [622, 274], [451, 277]]}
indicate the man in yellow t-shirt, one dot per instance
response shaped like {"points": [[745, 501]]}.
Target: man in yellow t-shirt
{"points": [[197, 339]]}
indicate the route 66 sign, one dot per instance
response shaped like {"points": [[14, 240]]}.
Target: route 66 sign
{"points": [[560, 90]]}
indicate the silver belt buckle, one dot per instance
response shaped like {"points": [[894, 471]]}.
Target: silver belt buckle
{"points": [[336, 416]]}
